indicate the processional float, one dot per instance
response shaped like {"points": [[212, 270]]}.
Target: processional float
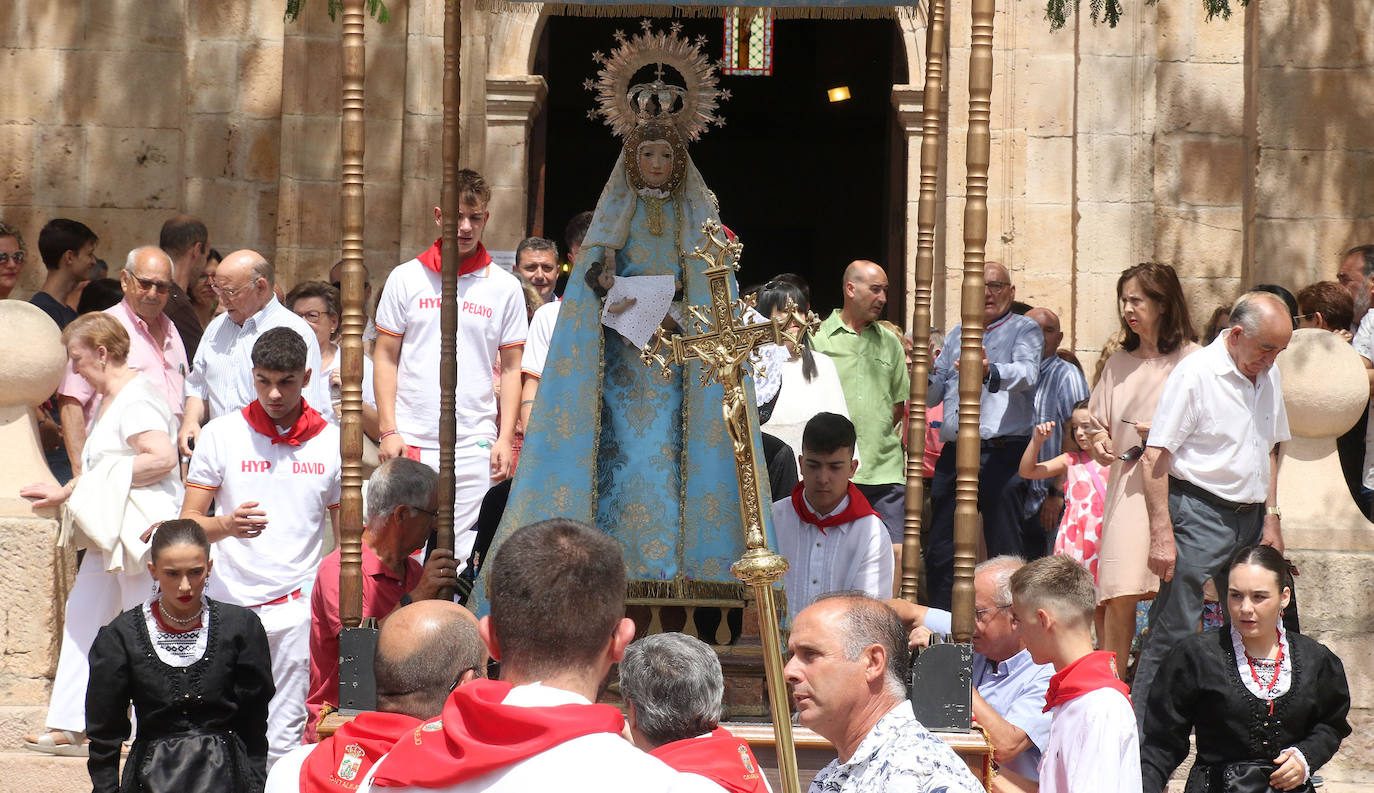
{"points": [[758, 565]]}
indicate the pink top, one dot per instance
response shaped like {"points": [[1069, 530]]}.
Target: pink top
{"points": [[163, 364]]}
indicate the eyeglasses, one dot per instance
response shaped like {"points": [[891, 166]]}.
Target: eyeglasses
{"points": [[978, 613], [311, 316], [17, 256], [433, 515], [232, 293], [145, 284], [995, 287]]}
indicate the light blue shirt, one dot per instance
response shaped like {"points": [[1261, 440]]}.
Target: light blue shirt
{"points": [[222, 372], [1061, 387], [1013, 344]]}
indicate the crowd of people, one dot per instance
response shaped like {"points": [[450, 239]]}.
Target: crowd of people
{"points": [[202, 400]]}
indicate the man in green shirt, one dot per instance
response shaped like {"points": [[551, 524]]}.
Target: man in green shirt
{"points": [[871, 363]]}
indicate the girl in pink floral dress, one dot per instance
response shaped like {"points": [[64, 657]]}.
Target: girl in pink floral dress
{"points": [[1085, 486]]}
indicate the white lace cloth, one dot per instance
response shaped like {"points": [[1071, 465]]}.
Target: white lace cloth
{"points": [[178, 650]]}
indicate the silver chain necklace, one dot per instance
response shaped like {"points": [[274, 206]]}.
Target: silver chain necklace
{"points": [[170, 618]]}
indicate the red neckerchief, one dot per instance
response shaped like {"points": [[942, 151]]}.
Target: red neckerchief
{"points": [[1089, 673], [1278, 665], [432, 260], [858, 508], [477, 734], [720, 757], [306, 427], [340, 762]]}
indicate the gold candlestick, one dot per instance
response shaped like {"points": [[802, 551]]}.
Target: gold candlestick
{"points": [[723, 343]]}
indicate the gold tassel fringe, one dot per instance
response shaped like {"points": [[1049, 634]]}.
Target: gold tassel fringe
{"points": [[690, 11]]}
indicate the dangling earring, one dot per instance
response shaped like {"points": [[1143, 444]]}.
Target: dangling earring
{"points": [[102, 365]]}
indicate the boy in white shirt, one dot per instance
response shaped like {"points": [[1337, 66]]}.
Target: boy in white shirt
{"points": [[830, 535], [492, 325], [272, 470], [1093, 747]]}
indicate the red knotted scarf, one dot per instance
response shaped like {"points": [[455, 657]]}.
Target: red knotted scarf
{"points": [[720, 757], [1089, 673], [306, 427], [432, 260], [858, 508], [340, 762]]}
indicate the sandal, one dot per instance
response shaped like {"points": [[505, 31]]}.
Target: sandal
{"points": [[63, 743]]}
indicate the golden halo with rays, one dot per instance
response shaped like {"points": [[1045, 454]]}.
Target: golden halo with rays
{"points": [[612, 86]]}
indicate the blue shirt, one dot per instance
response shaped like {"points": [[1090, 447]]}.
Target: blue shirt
{"points": [[1015, 689], [1061, 387], [1013, 344]]}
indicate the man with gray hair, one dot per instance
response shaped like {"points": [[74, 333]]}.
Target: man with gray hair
{"points": [[1355, 274], [1211, 470], [155, 349], [402, 501], [673, 685], [848, 674], [221, 377], [536, 261]]}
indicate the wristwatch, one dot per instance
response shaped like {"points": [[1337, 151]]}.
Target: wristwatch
{"points": [[1274, 510]]}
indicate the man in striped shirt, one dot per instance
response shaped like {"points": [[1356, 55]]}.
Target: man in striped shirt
{"points": [[1061, 386]]}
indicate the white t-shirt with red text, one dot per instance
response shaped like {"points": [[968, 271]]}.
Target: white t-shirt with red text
{"points": [[295, 485], [491, 317]]}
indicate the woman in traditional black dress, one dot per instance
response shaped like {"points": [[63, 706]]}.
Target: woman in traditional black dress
{"points": [[198, 673], [1269, 706]]}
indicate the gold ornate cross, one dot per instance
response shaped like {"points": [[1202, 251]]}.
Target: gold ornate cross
{"points": [[718, 337]]}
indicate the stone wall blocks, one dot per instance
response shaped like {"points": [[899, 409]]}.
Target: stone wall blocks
{"points": [[382, 217], [1107, 166], [1201, 242], [125, 89], [1048, 169], [1200, 97], [58, 172], [18, 166], [1214, 171], [1108, 94], [138, 168], [218, 20], [132, 25], [1301, 184], [34, 80], [212, 67], [1310, 108], [1336, 34], [260, 80], [424, 75], [1286, 251], [384, 90], [322, 92], [320, 159]]}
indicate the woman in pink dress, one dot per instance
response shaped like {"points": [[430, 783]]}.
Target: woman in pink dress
{"points": [[1085, 487], [1158, 334]]}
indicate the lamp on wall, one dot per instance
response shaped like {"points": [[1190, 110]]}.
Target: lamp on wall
{"points": [[839, 93]]}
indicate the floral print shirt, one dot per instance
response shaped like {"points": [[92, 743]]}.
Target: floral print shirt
{"points": [[898, 756]]}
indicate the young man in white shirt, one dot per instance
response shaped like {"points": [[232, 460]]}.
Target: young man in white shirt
{"points": [[1093, 746], [272, 470], [491, 327], [830, 535]]}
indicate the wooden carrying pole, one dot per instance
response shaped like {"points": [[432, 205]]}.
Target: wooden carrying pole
{"points": [[351, 366], [932, 134], [971, 349], [448, 249]]}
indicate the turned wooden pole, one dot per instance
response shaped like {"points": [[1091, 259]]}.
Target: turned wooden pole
{"points": [[351, 343], [932, 134], [448, 249], [971, 347]]}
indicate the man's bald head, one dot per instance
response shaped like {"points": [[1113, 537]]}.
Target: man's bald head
{"points": [[244, 280], [1050, 327], [422, 650], [1261, 328], [865, 293]]}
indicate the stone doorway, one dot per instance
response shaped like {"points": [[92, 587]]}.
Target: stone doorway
{"points": [[807, 184]]}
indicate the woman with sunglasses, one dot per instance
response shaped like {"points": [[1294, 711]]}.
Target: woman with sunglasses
{"points": [[1158, 334]]}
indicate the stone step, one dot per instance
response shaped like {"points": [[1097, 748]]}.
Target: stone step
{"points": [[39, 773]]}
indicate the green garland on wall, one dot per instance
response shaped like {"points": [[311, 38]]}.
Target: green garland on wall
{"points": [[1109, 11], [376, 8]]}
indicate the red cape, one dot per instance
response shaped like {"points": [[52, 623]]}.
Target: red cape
{"points": [[307, 426], [340, 762], [432, 260], [858, 508], [476, 735], [720, 757], [1089, 673]]}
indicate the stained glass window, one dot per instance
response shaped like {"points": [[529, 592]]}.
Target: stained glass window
{"points": [[748, 42]]}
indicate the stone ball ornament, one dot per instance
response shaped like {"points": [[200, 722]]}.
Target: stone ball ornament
{"points": [[1325, 388], [34, 358]]}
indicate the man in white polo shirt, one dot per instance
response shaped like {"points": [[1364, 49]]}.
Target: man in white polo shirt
{"points": [[272, 470], [491, 326], [220, 381], [1211, 470]]}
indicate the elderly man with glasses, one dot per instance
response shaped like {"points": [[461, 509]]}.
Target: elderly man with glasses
{"points": [[402, 502], [155, 348], [221, 377], [1008, 687], [1010, 371]]}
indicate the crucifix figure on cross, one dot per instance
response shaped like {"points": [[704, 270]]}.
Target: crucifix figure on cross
{"points": [[719, 337]]}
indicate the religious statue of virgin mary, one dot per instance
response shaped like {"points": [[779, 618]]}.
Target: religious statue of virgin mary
{"points": [[611, 442]]}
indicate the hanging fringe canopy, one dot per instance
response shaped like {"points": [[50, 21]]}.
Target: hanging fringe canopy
{"points": [[782, 9]]}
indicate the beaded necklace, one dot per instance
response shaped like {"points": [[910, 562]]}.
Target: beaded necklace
{"points": [[1268, 691]]}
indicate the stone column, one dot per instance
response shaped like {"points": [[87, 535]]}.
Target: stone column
{"points": [[512, 103], [909, 101]]}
